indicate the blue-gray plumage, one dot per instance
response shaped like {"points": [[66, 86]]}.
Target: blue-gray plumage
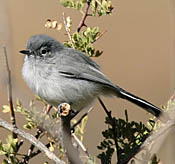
{"points": [[59, 74]]}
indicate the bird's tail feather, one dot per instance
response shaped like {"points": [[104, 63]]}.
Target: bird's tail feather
{"points": [[140, 102]]}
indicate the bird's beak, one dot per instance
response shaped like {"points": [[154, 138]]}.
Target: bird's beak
{"points": [[26, 52]]}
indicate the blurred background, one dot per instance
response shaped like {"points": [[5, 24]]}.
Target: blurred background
{"points": [[138, 53]]}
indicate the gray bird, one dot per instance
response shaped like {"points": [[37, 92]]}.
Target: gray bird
{"points": [[59, 74]]}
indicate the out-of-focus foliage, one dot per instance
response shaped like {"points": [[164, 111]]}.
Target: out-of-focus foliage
{"points": [[98, 7], [9, 150]]}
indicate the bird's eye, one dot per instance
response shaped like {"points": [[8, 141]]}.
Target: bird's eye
{"points": [[43, 51]]}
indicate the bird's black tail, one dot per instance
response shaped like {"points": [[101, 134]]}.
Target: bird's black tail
{"points": [[141, 103]]}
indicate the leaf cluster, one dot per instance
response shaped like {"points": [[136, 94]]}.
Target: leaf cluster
{"points": [[20, 109], [129, 136], [84, 41], [9, 150], [100, 8]]}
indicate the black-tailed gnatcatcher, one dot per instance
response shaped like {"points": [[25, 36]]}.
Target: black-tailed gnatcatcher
{"points": [[59, 74]]}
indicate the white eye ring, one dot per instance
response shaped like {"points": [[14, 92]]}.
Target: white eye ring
{"points": [[43, 52]]}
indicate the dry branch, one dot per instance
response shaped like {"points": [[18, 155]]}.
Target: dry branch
{"points": [[32, 140]]}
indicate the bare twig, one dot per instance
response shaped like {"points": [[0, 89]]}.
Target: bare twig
{"points": [[32, 140], [49, 107], [10, 100], [20, 143], [79, 121], [113, 127], [68, 31], [83, 19], [39, 151], [80, 144], [100, 35], [28, 156]]}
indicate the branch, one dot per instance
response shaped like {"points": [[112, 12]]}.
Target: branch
{"points": [[71, 152], [32, 140], [30, 151], [82, 21], [81, 118], [48, 109], [9, 88], [162, 131], [152, 141], [113, 127], [39, 151], [81, 145]]}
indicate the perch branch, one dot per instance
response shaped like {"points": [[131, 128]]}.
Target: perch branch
{"points": [[71, 152]]}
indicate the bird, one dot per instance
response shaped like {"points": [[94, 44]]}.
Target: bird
{"points": [[60, 74]]}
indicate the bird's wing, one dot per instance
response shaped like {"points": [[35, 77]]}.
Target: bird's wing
{"points": [[77, 65]]}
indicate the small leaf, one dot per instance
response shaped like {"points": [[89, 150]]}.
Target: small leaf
{"points": [[6, 109], [67, 3]]}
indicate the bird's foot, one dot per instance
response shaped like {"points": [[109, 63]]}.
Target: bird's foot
{"points": [[64, 110]]}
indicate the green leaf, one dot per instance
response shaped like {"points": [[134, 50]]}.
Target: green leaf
{"points": [[75, 4], [67, 3]]}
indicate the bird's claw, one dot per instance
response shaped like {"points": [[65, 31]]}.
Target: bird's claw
{"points": [[64, 109]]}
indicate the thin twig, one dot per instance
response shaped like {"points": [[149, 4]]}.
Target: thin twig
{"points": [[39, 151], [113, 128], [20, 143], [100, 35], [83, 19], [48, 108], [10, 100], [79, 121], [32, 140], [80, 144], [30, 151], [68, 31]]}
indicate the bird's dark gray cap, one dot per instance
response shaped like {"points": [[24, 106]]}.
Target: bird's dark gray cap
{"points": [[37, 41]]}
